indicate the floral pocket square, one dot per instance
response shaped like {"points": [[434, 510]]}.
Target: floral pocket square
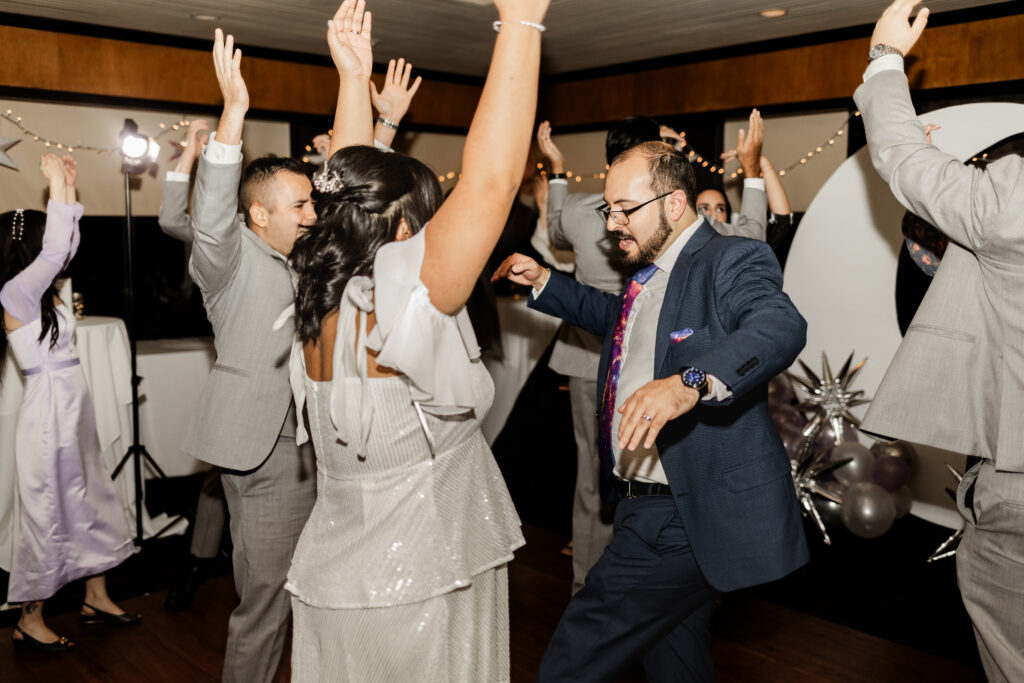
{"points": [[679, 335]]}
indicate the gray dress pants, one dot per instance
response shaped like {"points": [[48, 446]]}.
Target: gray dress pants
{"points": [[590, 535], [268, 508], [990, 567]]}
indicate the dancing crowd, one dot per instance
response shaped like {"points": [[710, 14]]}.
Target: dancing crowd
{"points": [[343, 411]]}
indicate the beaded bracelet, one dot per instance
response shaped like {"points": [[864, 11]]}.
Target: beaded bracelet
{"points": [[387, 123], [532, 24]]}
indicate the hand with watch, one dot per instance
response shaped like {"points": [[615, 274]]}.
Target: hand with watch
{"points": [[894, 33], [656, 403]]}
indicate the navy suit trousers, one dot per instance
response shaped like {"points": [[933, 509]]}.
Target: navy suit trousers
{"points": [[645, 600]]}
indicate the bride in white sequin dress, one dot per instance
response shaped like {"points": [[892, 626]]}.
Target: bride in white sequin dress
{"points": [[400, 573]]}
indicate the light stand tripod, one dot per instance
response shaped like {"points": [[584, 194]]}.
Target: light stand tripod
{"points": [[137, 151]]}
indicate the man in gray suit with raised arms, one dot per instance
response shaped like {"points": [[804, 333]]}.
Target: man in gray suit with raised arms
{"points": [[957, 380], [245, 420]]}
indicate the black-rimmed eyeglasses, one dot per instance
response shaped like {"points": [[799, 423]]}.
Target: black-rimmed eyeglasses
{"points": [[621, 216]]}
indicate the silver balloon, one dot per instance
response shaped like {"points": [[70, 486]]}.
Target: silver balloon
{"points": [[867, 510], [860, 466], [897, 449], [903, 499]]}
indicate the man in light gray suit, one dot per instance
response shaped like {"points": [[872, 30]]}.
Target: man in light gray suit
{"points": [[957, 380], [245, 419], [573, 223], [211, 508]]}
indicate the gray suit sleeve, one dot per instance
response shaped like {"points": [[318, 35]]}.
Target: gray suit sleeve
{"points": [[753, 219], [962, 201], [217, 242], [173, 217], [558, 194]]}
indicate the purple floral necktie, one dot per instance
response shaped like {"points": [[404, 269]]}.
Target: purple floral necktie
{"points": [[611, 381]]}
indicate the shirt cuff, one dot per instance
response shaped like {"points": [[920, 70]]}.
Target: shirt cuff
{"points": [[559, 180], [719, 392], [754, 183], [381, 146], [886, 63], [534, 292], [220, 154], [175, 177]]}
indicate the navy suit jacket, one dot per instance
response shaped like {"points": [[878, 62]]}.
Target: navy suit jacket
{"points": [[728, 471]]}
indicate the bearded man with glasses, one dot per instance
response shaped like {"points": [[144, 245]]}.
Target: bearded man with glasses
{"points": [[707, 501]]}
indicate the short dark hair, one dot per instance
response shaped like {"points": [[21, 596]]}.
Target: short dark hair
{"points": [[628, 133], [257, 176], [670, 170], [378, 189]]}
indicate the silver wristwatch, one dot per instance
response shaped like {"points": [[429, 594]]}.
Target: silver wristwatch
{"points": [[881, 50]]}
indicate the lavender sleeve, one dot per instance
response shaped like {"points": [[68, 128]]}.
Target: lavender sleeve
{"points": [[21, 295]]}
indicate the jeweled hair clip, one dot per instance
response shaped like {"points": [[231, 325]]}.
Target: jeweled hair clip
{"points": [[327, 181], [18, 225]]}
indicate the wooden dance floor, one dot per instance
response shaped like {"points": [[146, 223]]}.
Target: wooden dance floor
{"points": [[754, 640]]}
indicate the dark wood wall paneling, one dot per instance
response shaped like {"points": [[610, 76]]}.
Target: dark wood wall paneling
{"points": [[988, 50]]}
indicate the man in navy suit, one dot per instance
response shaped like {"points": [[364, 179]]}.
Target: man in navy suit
{"points": [[707, 499]]}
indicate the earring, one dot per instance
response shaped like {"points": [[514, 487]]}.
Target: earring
{"points": [[18, 225]]}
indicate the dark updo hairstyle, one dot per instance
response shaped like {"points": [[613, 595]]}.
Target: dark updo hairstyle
{"points": [[380, 189], [626, 134], [15, 256]]}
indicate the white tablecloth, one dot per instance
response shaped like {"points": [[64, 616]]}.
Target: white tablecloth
{"points": [[525, 334], [173, 373], [102, 344]]}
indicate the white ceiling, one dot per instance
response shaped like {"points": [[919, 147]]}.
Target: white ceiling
{"points": [[455, 35]]}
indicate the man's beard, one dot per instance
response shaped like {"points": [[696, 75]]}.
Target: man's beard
{"points": [[649, 250]]}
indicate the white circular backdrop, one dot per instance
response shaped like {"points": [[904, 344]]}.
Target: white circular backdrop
{"points": [[841, 269]]}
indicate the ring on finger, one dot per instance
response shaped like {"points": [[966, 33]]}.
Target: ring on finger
{"points": [[647, 417]]}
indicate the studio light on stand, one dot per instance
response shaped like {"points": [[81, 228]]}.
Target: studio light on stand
{"points": [[138, 153]]}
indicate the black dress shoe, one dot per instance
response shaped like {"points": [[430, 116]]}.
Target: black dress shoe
{"points": [[101, 618], [27, 642], [181, 596]]}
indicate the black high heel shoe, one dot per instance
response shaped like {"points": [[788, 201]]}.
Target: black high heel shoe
{"points": [[27, 642], [101, 618]]}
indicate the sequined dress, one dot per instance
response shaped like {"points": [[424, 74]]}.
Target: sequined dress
{"points": [[400, 572], [69, 522]]}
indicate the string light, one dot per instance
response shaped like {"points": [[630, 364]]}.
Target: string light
{"points": [[15, 120], [700, 161]]}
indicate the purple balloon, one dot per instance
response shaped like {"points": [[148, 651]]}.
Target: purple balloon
{"points": [[890, 472], [787, 415], [827, 436], [780, 391], [792, 439]]}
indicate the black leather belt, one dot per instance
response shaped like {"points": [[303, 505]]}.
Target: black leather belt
{"points": [[632, 489]]}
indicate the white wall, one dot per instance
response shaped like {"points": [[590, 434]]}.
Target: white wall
{"points": [[100, 184], [787, 138]]}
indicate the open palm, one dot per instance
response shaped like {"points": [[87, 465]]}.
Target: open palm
{"points": [[349, 37]]}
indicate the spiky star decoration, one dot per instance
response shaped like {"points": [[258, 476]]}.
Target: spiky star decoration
{"points": [[948, 547], [806, 471], [830, 399]]}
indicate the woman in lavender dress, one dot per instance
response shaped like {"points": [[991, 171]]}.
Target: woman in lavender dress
{"points": [[69, 523]]}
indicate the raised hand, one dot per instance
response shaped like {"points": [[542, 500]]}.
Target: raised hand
{"points": [[748, 145], [322, 144], [393, 100], [227, 62], [929, 128], [52, 167], [669, 133], [198, 134], [70, 170], [895, 29], [349, 37], [548, 148]]}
